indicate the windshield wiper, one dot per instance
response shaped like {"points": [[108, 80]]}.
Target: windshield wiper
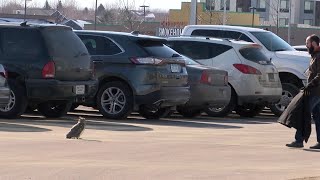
{"points": [[280, 49], [175, 55]]}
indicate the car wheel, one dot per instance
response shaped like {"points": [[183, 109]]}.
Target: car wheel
{"points": [[115, 100], [249, 111], [73, 107], [188, 112], [152, 113], [54, 109], [289, 91], [225, 110], [17, 103]]}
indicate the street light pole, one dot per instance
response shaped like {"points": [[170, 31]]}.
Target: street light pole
{"points": [[289, 26], [144, 11], [25, 10], [95, 16], [253, 9]]}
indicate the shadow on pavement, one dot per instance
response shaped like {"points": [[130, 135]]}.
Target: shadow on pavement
{"points": [[69, 121], [15, 127]]}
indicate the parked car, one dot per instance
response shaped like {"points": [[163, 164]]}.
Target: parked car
{"points": [[253, 78], [135, 73], [300, 48], [208, 86], [48, 68], [4, 89], [290, 63]]}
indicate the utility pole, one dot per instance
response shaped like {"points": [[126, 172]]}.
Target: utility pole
{"points": [[95, 16], [144, 11], [289, 22], [25, 9], [193, 13], [224, 12], [253, 9]]}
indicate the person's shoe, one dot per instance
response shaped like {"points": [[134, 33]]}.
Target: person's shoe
{"points": [[296, 144], [317, 146]]}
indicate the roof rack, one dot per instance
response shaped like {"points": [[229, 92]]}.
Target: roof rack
{"points": [[135, 32], [24, 24]]}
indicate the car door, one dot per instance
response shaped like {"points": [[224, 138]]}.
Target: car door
{"points": [[105, 53]]}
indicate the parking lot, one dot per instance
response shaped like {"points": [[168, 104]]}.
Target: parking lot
{"points": [[201, 148]]}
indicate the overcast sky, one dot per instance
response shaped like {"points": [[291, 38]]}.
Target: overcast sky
{"points": [[154, 4]]}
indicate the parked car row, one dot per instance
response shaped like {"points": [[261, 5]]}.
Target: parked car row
{"points": [[54, 69]]}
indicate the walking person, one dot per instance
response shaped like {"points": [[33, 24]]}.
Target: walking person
{"points": [[311, 91]]}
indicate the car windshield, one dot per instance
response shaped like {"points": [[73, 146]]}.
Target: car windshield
{"points": [[272, 42]]}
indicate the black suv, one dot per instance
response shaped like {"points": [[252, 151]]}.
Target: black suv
{"points": [[135, 73], [48, 68]]}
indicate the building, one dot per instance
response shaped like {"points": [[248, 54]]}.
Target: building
{"points": [[302, 12], [211, 12]]}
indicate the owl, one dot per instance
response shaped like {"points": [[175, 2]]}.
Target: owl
{"points": [[77, 129]]}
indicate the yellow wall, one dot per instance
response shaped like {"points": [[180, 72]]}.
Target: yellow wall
{"points": [[233, 18]]}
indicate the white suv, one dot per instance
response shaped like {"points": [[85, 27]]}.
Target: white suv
{"points": [[254, 79], [291, 64]]}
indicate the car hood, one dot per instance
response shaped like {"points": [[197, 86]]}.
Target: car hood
{"points": [[294, 55]]}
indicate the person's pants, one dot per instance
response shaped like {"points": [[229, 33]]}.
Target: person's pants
{"points": [[314, 104]]}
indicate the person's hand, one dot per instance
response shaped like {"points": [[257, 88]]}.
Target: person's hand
{"points": [[307, 90]]}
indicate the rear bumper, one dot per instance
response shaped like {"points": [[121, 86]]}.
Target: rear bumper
{"points": [[4, 96], [47, 89], [166, 96], [203, 95], [258, 99]]}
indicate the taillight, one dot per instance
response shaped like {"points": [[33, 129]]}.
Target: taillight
{"points": [[146, 60], [245, 69], [205, 78], [49, 70]]}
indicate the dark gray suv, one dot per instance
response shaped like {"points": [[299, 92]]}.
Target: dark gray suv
{"points": [[135, 73]]}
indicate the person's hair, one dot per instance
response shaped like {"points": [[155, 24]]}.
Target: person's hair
{"points": [[314, 38]]}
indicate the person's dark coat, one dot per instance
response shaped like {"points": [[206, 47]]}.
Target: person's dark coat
{"points": [[298, 115]]}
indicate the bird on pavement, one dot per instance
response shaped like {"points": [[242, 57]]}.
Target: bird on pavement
{"points": [[77, 129]]}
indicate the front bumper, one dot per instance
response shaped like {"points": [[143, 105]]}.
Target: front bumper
{"points": [[165, 97], [50, 89]]}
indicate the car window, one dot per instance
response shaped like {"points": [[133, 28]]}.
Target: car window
{"points": [[64, 42], [199, 50], [22, 42], [254, 54], [157, 48], [272, 42], [98, 45], [221, 34]]}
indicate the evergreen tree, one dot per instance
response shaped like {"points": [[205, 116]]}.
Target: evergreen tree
{"points": [[101, 10], [47, 5], [59, 6]]}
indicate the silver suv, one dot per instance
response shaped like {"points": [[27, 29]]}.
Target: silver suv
{"points": [[291, 64], [254, 79]]}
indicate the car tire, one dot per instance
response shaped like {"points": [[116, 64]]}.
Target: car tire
{"points": [[73, 107], [223, 111], [18, 101], [249, 111], [122, 104], [188, 112], [54, 109], [151, 113], [289, 91]]}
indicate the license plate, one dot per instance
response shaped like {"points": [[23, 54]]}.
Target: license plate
{"points": [[271, 77], [175, 68], [80, 89]]}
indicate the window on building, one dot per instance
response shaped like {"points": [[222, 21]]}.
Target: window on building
{"points": [[227, 4], [307, 21], [283, 21], [261, 5], [308, 7], [210, 5], [284, 6]]}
